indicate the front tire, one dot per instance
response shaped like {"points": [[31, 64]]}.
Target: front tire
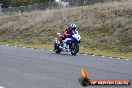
{"points": [[56, 48], [75, 49]]}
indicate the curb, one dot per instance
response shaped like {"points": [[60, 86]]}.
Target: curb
{"points": [[52, 50], [107, 57]]}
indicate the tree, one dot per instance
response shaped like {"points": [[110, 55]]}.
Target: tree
{"points": [[5, 3], [44, 1], [21, 2]]}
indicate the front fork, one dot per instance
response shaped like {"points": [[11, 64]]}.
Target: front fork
{"points": [[73, 44]]}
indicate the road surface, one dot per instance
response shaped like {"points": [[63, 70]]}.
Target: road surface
{"points": [[34, 68]]}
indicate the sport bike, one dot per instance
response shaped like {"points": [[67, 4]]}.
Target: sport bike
{"points": [[72, 43]]}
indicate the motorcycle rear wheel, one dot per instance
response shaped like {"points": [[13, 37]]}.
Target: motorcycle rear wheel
{"points": [[56, 48]]}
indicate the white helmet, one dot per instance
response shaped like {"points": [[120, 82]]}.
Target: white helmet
{"points": [[73, 27]]}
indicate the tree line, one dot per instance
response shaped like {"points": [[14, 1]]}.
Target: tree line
{"points": [[16, 3]]}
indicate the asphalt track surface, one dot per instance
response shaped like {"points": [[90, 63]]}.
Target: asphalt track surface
{"points": [[34, 68]]}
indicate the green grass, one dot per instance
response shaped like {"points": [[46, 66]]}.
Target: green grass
{"points": [[105, 28]]}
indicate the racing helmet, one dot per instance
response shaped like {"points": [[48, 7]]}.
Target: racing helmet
{"points": [[73, 27]]}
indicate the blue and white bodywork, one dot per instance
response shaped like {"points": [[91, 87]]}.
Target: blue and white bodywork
{"points": [[70, 44], [75, 38]]}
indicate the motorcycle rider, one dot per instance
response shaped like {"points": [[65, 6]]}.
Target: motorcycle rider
{"points": [[68, 32]]}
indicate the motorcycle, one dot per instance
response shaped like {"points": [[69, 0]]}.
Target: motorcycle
{"points": [[72, 44]]}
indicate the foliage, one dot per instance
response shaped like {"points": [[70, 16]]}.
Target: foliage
{"points": [[7, 3]]}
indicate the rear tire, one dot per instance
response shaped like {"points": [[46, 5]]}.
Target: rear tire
{"points": [[75, 49], [56, 48]]}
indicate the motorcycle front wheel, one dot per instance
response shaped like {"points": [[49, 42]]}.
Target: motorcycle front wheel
{"points": [[74, 49]]}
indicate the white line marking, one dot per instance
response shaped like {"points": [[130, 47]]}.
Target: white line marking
{"points": [[42, 49], [102, 56], [32, 48], [24, 47], [1, 87], [52, 50], [7, 45]]}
